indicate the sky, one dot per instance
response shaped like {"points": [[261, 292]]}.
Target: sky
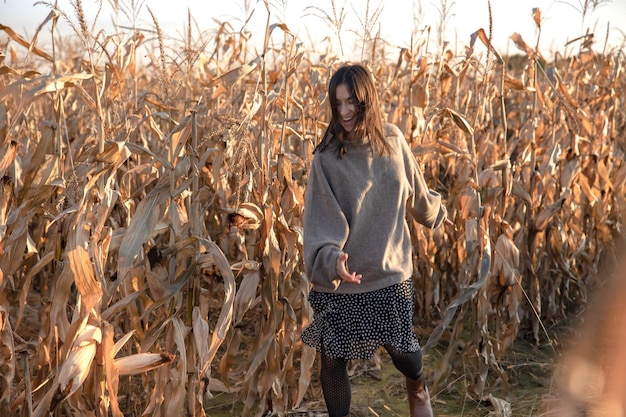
{"points": [[562, 20]]}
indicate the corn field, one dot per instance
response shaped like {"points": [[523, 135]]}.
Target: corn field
{"points": [[151, 212]]}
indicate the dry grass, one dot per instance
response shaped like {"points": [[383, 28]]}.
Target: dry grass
{"points": [[150, 215]]}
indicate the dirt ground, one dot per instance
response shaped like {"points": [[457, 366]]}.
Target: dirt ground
{"points": [[378, 390]]}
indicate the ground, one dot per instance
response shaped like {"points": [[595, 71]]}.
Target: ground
{"points": [[378, 390]]}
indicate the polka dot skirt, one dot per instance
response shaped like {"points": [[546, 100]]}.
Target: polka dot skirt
{"points": [[354, 326]]}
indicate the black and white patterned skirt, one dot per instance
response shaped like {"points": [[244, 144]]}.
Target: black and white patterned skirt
{"points": [[354, 326]]}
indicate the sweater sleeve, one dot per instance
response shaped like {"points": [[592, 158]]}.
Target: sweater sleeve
{"points": [[424, 205], [325, 230]]}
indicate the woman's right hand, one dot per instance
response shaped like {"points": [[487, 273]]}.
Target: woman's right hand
{"points": [[344, 273]]}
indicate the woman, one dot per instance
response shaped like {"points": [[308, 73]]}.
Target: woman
{"points": [[362, 183]]}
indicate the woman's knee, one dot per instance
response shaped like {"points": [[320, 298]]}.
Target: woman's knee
{"points": [[409, 363]]}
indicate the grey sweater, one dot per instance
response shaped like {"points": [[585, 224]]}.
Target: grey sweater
{"points": [[358, 205]]}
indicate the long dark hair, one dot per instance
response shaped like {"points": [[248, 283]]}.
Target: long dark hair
{"points": [[369, 120]]}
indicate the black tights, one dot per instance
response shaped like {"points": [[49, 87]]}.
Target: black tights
{"points": [[336, 383]]}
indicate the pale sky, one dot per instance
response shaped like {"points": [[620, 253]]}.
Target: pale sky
{"points": [[562, 19]]}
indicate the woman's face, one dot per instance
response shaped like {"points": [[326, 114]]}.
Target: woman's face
{"points": [[346, 108]]}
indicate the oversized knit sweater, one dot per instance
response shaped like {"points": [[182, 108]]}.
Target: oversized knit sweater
{"points": [[358, 204]]}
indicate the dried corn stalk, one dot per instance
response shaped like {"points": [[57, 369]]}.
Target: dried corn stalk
{"points": [[165, 203]]}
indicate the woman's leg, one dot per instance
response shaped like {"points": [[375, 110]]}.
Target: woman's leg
{"points": [[410, 364], [335, 385]]}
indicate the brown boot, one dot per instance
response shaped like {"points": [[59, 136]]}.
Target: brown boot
{"points": [[419, 399]]}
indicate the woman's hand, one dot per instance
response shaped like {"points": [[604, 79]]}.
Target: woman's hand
{"points": [[344, 273]]}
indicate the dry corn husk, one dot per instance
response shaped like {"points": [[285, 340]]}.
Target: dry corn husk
{"points": [[74, 369], [506, 260], [142, 362], [76, 366]]}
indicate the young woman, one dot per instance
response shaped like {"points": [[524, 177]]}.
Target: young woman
{"points": [[363, 181]]}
